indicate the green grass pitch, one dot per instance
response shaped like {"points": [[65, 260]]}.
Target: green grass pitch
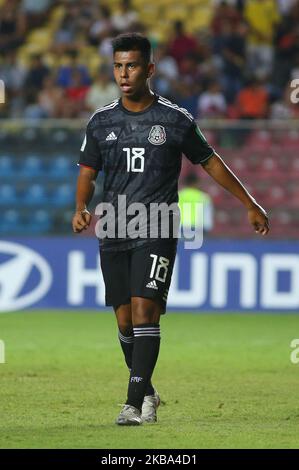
{"points": [[226, 381]]}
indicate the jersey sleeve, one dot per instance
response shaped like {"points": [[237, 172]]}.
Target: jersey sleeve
{"points": [[195, 146], [90, 154]]}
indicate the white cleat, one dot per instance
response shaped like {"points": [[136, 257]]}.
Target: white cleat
{"points": [[149, 408], [129, 416]]}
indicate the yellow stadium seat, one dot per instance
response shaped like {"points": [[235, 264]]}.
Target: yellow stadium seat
{"points": [[177, 13], [57, 14], [41, 37], [200, 18]]}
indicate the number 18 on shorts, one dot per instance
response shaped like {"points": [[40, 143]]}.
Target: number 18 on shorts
{"points": [[144, 271]]}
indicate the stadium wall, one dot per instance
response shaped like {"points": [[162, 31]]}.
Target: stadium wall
{"points": [[64, 272]]}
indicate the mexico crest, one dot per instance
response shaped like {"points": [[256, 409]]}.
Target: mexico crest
{"points": [[157, 135]]}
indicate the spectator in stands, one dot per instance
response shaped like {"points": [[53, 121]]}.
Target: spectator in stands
{"points": [[253, 100], [198, 213], [36, 74], [211, 103], [187, 97], [286, 46], [285, 6], [188, 87], [230, 47], [262, 17], [102, 26], [103, 90], [33, 110], [13, 74], [13, 26], [223, 14], [190, 73], [35, 11], [87, 22], [51, 98], [126, 18], [76, 94], [182, 43], [73, 28], [166, 73], [65, 72]]}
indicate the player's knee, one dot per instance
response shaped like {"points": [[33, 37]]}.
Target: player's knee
{"points": [[145, 312], [124, 319], [126, 329]]}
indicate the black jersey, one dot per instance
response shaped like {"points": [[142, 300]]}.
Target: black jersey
{"points": [[140, 154]]}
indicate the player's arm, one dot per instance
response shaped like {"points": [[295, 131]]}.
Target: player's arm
{"points": [[85, 190], [90, 164], [221, 173], [197, 150]]}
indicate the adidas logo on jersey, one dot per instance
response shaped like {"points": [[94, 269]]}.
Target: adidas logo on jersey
{"points": [[152, 285], [111, 136]]}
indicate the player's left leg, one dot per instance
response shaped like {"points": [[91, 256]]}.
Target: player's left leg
{"points": [[123, 315], [150, 275], [125, 331], [146, 317]]}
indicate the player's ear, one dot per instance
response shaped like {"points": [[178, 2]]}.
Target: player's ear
{"points": [[150, 70]]}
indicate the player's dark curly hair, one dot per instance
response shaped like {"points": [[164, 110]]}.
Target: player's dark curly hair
{"points": [[133, 42]]}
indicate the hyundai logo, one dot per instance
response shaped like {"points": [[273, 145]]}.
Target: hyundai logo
{"points": [[15, 273]]}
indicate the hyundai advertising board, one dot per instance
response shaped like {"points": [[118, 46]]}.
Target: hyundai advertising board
{"points": [[234, 275]]}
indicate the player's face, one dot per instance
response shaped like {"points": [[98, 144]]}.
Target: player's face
{"points": [[131, 73]]}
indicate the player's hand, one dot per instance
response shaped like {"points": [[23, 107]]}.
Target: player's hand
{"points": [[258, 217], [81, 220]]}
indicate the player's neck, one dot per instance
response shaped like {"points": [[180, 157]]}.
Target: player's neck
{"points": [[138, 103]]}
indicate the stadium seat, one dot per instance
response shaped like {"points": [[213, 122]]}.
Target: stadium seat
{"points": [[291, 140], [240, 165], [35, 195], [11, 223], [260, 139], [7, 169], [294, 167], [294, 197], [32, 167], [8, 195], [61, 167], [273, 196], [215, 191], [63, 195], [39, 222], [267, 167]]}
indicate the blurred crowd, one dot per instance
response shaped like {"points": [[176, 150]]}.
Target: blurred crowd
{"points": [[240, 66]]}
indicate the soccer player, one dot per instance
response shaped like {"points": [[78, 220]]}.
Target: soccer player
{"points": [[137, 141]]}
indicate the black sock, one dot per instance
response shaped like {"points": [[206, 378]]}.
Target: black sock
{"points": [[127, 345], [144, 358]]}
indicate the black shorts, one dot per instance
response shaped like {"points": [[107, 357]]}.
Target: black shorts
{"points": [[144, 271]]}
